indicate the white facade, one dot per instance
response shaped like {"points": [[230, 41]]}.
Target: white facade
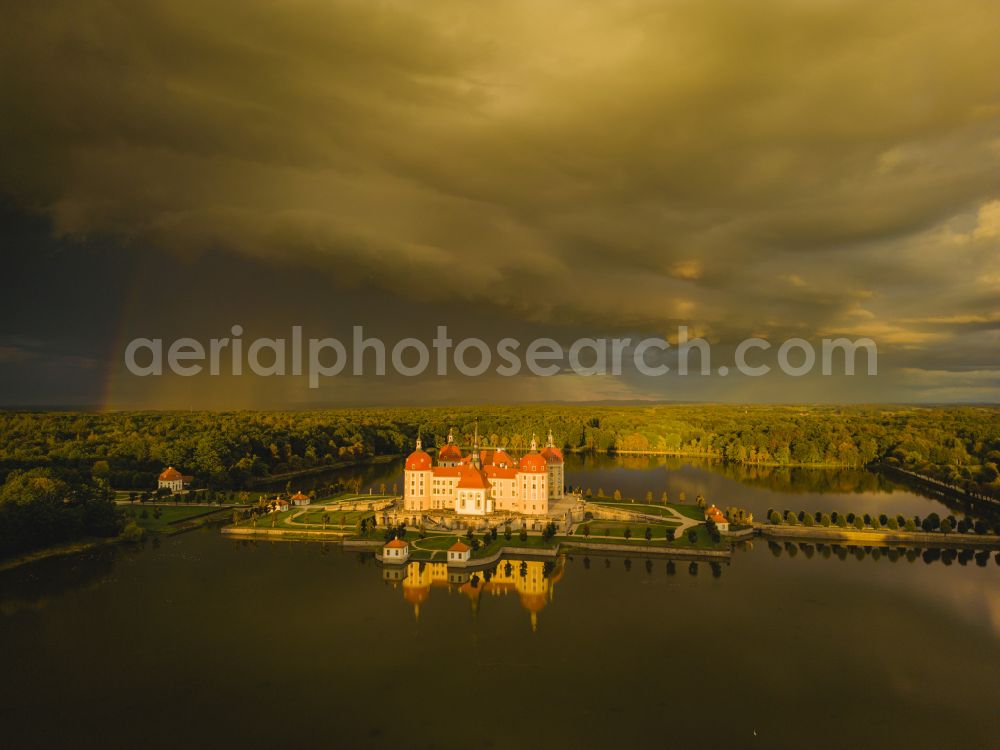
{"points": [[171, 479], [396, 551], [459, 554], [483, 482]]}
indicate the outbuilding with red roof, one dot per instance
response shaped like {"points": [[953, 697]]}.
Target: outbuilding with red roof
{"points": [[396, 551], [459, 553]]}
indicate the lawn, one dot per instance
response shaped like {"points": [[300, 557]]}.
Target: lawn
{"points": [[703, 541], [343, 519], [170, 515], [312, 520], [689, 511], [432, 546], [533, 540], [600, 528], [441, 542], [349, 497], [433, 541]]}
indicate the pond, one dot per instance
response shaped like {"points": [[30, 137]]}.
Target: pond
{"points": [[200, 640]]}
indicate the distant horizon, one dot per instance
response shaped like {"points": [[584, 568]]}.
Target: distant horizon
{"points": [[94, 409]]}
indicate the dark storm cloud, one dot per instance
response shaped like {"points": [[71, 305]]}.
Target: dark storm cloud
{"points": [[772, 167]]}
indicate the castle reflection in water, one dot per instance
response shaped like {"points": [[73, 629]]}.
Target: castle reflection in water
{"points": [[532, 581]]}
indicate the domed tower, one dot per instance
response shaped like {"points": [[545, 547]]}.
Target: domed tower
{"points": [[533, 481], [450, 454], [417, 480]]}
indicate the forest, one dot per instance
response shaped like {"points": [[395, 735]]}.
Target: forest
{"points": [[42, 507], [959, 446]]}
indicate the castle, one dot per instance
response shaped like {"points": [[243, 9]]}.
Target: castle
{"points": [[483, 482]]}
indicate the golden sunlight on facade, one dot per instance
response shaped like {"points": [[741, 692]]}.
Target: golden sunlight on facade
{"points": [[484, 481]]}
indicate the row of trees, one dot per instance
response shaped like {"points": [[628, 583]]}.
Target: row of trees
{"points": [[892, 554], [931, 522]]}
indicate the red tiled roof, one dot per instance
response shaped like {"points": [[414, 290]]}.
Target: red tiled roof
{"points": [[495, 472], [418, 461], [450, 452], [472, 478], [396, 543], [170, 474], [552, 455], [458, 546], [533, 462], [447, 471], [501, 457], [299, 496]]}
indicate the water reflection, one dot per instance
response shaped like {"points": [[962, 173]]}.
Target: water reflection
{"points": [[531, 581], [755, 488], [34, 585], [204, 616], [929, 555]]}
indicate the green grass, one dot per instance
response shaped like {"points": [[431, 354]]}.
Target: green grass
{"points": [[616, 529], [343, 519], [703, 541], [434, 541], [349, 497], [312, 520], [689, 511], [170, 516], [532, 541], [441, 542]]}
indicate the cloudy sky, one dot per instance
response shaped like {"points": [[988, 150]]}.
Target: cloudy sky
{"points": [[776, 168]]}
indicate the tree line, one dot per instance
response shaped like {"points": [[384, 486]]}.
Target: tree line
{"points": [[956, 446]]}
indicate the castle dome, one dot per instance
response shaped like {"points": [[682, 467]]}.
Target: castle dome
{"points": [[450, 452], [419, 460], [552, 455]]}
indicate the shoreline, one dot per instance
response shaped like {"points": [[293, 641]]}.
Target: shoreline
{"points": [[876, 538], [62, 550], [721, 459], [932, 486], [87, 545], [383, 458], [288, 535]]}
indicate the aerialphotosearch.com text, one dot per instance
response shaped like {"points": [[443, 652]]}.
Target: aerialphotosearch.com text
{"points": [[319, 358]]}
